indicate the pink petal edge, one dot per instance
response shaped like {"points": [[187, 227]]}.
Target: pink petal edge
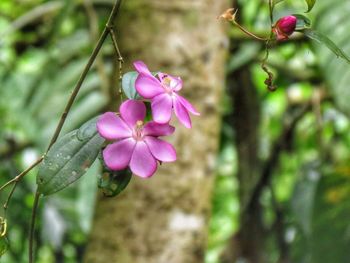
{"points": [[142, 68], [153, 128], [142, 162], [132, 111], [148, 86], [161, 150], [187, 105], [111, 127], [162, 108], [182, 114], [117, 155]]}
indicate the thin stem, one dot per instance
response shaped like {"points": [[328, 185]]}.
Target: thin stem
{"points": [[94, 35], [248, 32], [75, 92], [270, 77], [86, 70], [120, 60], [9, 198], [32, 226], [19, 177], [271, 6]]}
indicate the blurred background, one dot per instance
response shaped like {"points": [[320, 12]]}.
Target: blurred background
{"points": [[261, 177]]}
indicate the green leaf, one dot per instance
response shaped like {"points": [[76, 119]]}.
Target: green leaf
{"points": [[69, 158], [314, 35], [4, 245], [128, 85], [113, 183], [302, 22], [310, 5], [275, 2]]}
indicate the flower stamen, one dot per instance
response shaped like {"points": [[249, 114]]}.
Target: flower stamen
{"points": [[137, 134]]}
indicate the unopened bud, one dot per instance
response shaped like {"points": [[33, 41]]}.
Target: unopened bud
{"points": [[229, 14], [284, 27]]}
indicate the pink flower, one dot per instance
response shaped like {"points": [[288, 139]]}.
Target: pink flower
{"points": [[137, 144], [163, 93], [284, 27]]}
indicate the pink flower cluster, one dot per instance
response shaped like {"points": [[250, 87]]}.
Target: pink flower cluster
{"points": [[137, 144]]}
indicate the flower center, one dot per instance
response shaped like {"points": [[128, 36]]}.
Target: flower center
{"points": [[166, 83], [137, 133]]}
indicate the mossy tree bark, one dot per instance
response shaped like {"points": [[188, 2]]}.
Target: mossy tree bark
{"points": [[164, 219]]}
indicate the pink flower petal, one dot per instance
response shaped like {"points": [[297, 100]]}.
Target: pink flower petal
{"points": [[187, 105], [161, 108], [161, 150], [156, 129], [111, 127], [117, 155], [181, 113], [142, 162], [176, 83], [132, 111], [148, 86], [142, 68]]}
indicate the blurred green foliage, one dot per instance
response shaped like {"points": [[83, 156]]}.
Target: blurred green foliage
{"points": [[311, 181], [41, 56]]}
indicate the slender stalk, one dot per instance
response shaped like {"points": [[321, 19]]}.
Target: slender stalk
{"points": [[80, 82], [19, 177], [9, 198], [120, 60], [248, 32], [68, 107], [270, 77], [75, 92], [32, 226]]}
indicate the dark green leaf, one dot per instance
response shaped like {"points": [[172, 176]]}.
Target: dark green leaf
{"points": [[310, 4], [314, 35], [113, 183], [128, 85], [69, 158], [302, 22]]}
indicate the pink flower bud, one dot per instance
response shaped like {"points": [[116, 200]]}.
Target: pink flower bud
{"points": [[284, 27]]}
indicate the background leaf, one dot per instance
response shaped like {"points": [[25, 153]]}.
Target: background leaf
{"points": [[314, 35], [336, 27], [310, 4], [128, 85], [112, 183], [303, 22]]}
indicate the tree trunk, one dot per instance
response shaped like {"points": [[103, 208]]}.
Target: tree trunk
{"points": [[164, 219], [248, 243]]}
